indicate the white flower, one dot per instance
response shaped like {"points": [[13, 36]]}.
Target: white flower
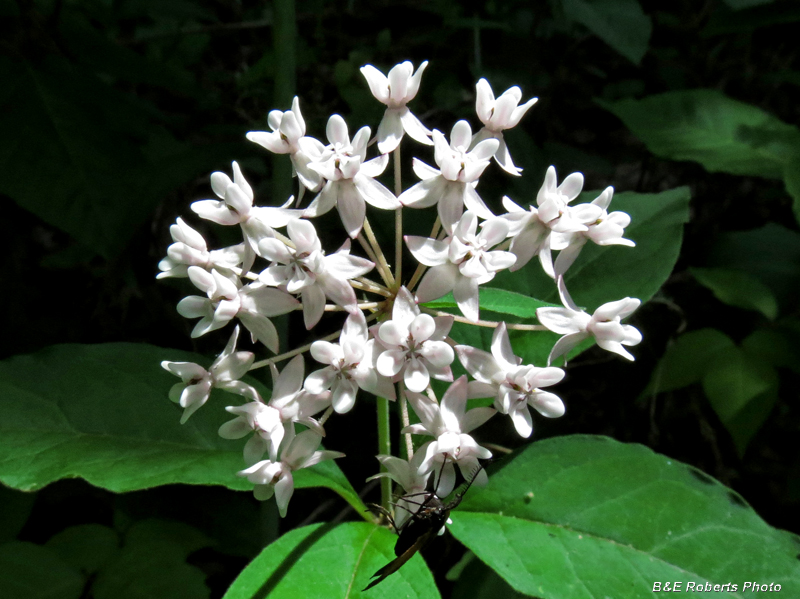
{"points": [[288, 136], [397, 90], [271, 422], [532, 230], [452, 187], [308, 271], [349, 180], [606, 229], [498, 115], [236, 208], [449, 423], [251, 304], [271, 477], [197, 382], [190, 249], [501, 375], [461, 262], [604, 325], [414, 344], [351, 364], [408, 476]]}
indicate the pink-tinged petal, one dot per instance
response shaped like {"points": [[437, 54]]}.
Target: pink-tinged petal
{"points": [[512, 206], [351, 206], [206, 325], [519, 112], [360, 141], [477, 389], [398, 82], [585, 213], [239, 388], [422, 327], [567, 256], [621, 219], [321, 456], [545, 377], [346, 266], [503, 159], [268, 301], [391, 362], [271, 141], [440, 373], [284, 489], [216, 211], [546, 260], [447, 481], [437, 282], [325, 200], [336, 130], [376, 194], [371, 382], [429, 252], [525, 246], [393, 334], [416, 375], [422, 170], [276, 275], [504, 108], [472, 268], [301, 448], [571, 186], [501, 348], [415, 429], [319, 380], [235, 429], [424, 194], [465, 293], [183, 233], [220, 183], [484, 100], [451, 204], [254, 449], [291, 128], [481, 365], [565, 345], [454, 404], [313, 299], [186, 370], [604, 199], [547, 404], [378, 83], [461, 135], [497, 261], [521, 417], [271, 217], [494, 231], [615, 347], [476, 417], [559, 320], [262, 329], [374, 167], [438, 353], [343, 396], [426, 409], [275, 250], [338, 290], [390, 131], [443, 326], [485, 150], [405, 308], [304, 235], [474, 203], [414, 81], [632, 335], [415, 129], [611, 310], [195, 306]]}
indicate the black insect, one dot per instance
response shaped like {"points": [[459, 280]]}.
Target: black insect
{"points": [[422, 525]]}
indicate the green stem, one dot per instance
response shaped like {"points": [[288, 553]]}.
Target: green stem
{"points": [[384, 448]]}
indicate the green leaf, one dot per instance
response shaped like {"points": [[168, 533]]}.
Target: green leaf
{"points": [[687, 360], [86, 547], [791, 180], [778, 347], [101, 412], [497, 300], [706, 126], [620, 23], [331, 561], [604, 274], [478, 581], [583, 516], [28, 571], [739, 289], [737, 382]]}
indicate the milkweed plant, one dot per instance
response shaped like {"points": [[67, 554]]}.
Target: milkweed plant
{"points": [[391, 345]]}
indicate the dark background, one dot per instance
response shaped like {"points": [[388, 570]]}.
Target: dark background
{"points": [[126, 106]]}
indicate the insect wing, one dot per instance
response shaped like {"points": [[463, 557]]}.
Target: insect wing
{"points": [[429, 521], [397, 563]]}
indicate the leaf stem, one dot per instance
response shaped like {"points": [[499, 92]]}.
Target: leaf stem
{"points": [[385, 275], [492, 324], [384, 448], [378, 252]]}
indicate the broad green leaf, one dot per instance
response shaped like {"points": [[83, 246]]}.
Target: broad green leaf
{"points": [[778, 347], [17, 507], [478, 581], [687, 360], [706, 126], [771, 254], [791, 179], [620, 23], [101, 412], [154, 569], [604, 274], [28, 571], [739, 289], [497, 300], [86, 547], [583, 516], [737, 382], [331, 561]]}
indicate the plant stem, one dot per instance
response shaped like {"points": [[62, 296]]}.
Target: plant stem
{"points": [[370, 287], [487, 323], [384, 448], [372, 256], [398, 222], [378, 252], [401, 395]]}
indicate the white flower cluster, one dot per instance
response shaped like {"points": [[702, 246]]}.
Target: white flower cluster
{"points": [[396, 357]]}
